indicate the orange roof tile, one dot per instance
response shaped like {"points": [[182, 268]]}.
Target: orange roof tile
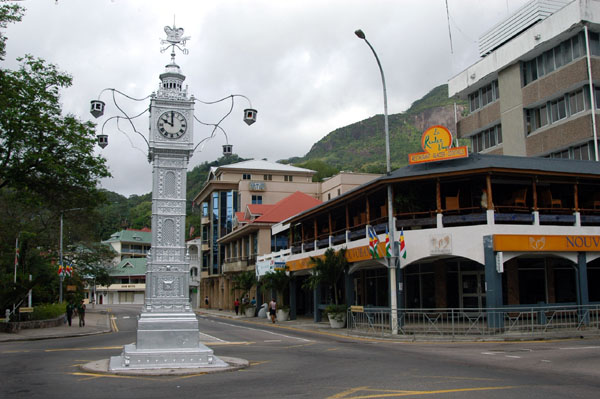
{"points": [[289, 206]]}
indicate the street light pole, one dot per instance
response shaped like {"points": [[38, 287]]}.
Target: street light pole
{"points": [[392, 261]]}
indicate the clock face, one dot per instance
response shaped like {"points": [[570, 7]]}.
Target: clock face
{"points": [[172, 124]]}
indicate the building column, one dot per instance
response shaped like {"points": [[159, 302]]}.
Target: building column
{"points": [[493, 282], [316, 300], [511, 268], [582, 288], [292, 299], [348, 288]]}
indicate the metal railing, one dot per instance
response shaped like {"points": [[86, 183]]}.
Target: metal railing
{"points": [[457, 322]]}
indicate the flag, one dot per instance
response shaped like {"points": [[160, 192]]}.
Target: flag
{"points": [[61, 270], [192, 229], [388, 250], [69, 270], [402, 245], [17, 253], [373, 242]]}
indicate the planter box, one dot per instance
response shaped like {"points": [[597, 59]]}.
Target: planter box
{"points": [[337, 320], [250, 311], [283, 315]]}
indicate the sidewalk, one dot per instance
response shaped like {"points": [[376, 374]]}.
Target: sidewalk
{"points": [[96, 322]]}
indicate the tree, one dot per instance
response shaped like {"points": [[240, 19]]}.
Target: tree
{"points": [[244, 282], [277, 281], [328, 270], [8, 13], [45, 155]]}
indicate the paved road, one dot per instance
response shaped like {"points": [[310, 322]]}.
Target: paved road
{"points": [[289, 363]]}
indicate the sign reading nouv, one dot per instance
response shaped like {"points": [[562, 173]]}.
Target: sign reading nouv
{"points": [[437, 144]]}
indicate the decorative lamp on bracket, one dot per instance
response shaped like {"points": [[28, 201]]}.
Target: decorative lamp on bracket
{"points": [[97, 108], [249, 116], [102, 140], [227, 149]]}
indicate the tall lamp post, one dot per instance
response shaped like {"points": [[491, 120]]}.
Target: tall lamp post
{"points": [[393, 260]]}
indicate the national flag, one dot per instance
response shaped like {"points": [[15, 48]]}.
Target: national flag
{"points": [[192, 230], [69, 269], [17, 255], [388, 250], [402, 245], [373, 242], [61, 270]]}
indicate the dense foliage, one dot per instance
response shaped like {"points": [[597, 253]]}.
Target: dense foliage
{"points": [[48, 171]]}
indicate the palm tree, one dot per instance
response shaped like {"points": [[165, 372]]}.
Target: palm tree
{"points": [[244, 282], [328, 270], [277, 281]]}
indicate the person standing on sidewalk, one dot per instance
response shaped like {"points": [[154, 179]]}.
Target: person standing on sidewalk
{"points": [[273, 309], [70, 309], [236, 305], [81, 313]]}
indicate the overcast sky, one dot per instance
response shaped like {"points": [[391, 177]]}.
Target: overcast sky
{"points": [[298, 61]]}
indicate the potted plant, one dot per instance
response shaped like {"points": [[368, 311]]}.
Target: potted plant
{"points": [[244, 282], [278, 281], [328, 270]]}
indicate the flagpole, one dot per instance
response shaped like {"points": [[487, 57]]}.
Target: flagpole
{"points": [[16, 258], [60, 276]]}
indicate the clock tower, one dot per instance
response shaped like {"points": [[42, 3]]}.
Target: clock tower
{"points": [[167, 334]]}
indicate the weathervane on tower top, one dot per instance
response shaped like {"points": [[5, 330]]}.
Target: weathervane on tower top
{"points": [[174, 39]]}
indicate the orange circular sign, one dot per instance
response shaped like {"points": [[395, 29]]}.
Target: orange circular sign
{"points": [[436, 139]]}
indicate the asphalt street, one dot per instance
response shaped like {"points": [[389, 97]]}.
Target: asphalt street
{"points": [[290, 362]]}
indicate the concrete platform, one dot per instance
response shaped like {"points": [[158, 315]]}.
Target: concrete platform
{"points": [[101, 367]]}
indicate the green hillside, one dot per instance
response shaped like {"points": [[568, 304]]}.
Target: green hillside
{"points": [[360, 147]]}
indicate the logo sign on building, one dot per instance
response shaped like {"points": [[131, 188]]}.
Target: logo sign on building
{"points": [[257, 186], [440, 244], [269, 266], [437, 146]]}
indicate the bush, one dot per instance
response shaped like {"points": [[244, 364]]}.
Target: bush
{"points": [[48, 311]]}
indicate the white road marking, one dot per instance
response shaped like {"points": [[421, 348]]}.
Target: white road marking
{"points": [[272, 340], [513, 356], [580, 347], [265, 331], [545, 361], [210, 337], [126, 317], [492, 353]]}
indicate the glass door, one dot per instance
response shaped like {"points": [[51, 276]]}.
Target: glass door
{"points": [[472, 289]]}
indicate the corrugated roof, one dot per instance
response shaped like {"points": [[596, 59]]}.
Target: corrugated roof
{"points": [[478, 161], [129, 267], [131, 235]]}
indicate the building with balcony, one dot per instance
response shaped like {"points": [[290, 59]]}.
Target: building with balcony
{"points": [[481, 232], [130, 243], [535, 90], [246, 190]]}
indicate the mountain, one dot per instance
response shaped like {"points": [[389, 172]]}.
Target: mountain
{"points": [[360, 147]]}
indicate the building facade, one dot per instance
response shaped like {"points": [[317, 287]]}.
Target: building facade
{"points": [[483, 232], [536, 89], [247, 188]]}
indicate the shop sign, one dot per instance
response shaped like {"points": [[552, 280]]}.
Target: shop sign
{"points": [[546, 243], [355, 254], [269, 266], [437, 146], [440, 244]]}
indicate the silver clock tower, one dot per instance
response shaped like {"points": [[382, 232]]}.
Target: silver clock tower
{"points": [[168, 335]]}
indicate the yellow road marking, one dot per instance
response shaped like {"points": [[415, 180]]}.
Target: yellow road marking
{"points": [[98, 375], [399, 393], [113, 323], [331, 349], [17, 351]]}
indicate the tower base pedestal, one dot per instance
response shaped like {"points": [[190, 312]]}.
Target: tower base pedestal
{"points": [[166, 340]]}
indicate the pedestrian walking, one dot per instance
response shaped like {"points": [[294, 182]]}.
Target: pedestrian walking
{"points": [[70, 310], [236, 305], [273, 309], [81, 313]]}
